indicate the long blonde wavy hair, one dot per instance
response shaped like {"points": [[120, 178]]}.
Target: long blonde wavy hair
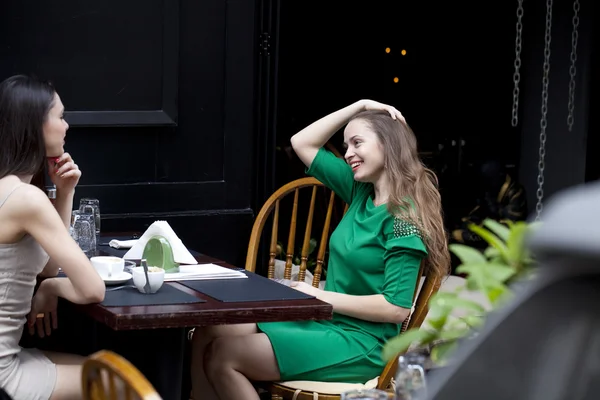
{"points": [[410, 181]]}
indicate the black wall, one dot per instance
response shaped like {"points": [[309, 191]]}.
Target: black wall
{"points": [[160, 96]]}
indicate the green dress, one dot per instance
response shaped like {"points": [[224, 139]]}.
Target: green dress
{"points": [[370, 252]]}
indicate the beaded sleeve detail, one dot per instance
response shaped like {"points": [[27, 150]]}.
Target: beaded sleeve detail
{"points": [[403, 228]]}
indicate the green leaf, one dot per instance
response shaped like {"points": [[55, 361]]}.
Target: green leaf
{"points": [[516, 244], [473, 321], [487, 278], [452, 301], [439, 309], [496, 294], [492, 253], [499, 272], [441, 352], [454, 334], [402, 342], [475, 275], [467, 254], [500, 230], [438, 323], [492, 239]]}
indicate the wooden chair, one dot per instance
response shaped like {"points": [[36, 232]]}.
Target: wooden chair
{"points": [[99, 383], [321, 390], [272, 206]]}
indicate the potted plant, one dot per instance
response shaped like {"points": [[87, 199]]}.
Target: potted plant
{"points": [[491, 272]]}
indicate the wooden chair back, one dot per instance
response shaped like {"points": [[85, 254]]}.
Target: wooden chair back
{"points": [[272, 208], [108, 376]]}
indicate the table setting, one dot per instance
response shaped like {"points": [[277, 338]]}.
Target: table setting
{"points": [[138, 270]]}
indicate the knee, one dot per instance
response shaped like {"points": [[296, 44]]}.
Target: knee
{"points": [[202, 336], [215, 359]]}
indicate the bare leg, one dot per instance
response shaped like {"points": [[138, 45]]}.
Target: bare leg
{"points": [[201, 388], [68, 375], [231, 362]]}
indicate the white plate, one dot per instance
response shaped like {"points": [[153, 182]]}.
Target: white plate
{"points": [[117, 279]]}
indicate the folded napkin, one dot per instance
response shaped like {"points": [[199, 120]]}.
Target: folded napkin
{"points": [[204, 271], [161, 228], [122, 244]]}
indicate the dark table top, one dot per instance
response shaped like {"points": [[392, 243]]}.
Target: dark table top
{"points": [[210, 312]]}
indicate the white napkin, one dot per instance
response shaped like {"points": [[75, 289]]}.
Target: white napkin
{"points": [[122, 244], [202, 272], [161, 228]]}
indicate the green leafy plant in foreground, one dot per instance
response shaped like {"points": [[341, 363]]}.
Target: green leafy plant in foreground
{"points": [[491, 272]]}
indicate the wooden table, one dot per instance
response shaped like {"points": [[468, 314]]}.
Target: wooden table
{"points": [[154, 337], [212, 312]]}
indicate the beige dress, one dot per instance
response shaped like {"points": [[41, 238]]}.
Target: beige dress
{"points": [[25, 374]]}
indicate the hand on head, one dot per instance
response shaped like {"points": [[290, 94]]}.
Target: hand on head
{"points": [[374, 105]]}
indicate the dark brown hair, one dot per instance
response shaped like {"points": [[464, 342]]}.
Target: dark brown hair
{"points": [[24, 106]]}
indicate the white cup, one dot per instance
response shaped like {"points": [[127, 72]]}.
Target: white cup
{"points": [[107, 266], [156, 277]]}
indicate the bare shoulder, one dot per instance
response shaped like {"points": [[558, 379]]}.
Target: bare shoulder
{"points": [[28, 199]]}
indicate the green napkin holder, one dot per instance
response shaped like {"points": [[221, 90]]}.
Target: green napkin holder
{"points": [[159, 253]]}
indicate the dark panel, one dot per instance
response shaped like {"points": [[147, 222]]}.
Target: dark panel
{"points": [[239, 124], [204, 163], [216, 128], [198, 174], [115, 62], [114, 155]]}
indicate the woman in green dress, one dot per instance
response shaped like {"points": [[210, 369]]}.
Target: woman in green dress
{"points": [[394, 222]]}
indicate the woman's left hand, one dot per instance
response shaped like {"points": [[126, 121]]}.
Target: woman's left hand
{"points": [[306, 288], [64, 173], [43, 313]]}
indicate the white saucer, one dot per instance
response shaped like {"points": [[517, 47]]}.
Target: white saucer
{"points": [[117, 279]]}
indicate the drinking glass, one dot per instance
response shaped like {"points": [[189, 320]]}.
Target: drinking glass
{"points": [[364, 394], [89, 205], [129, 265], [410, 376], [84, 232]]}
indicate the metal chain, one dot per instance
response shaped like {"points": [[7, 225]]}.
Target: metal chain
{"points": [[544, 121], [572, 69], [517, 74]]}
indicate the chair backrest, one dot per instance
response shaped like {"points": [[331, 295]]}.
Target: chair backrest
{"points": [[272, 207], [106, 375]]}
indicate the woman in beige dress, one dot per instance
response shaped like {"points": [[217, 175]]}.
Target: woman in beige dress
{"points": [[34, 240]]}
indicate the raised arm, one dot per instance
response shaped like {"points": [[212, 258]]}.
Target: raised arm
{"points": [[65, 174], [309, 140], [38, 217]]}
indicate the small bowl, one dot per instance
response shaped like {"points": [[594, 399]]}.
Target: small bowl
{"points": [[156, 278]]}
